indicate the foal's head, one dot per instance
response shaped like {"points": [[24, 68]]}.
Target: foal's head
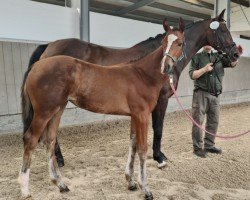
{"points": [[172, 45]]}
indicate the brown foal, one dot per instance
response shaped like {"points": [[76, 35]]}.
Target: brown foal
{"points": [[130, 89]]}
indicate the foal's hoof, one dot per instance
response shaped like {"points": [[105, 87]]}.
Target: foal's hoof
{"points": [[149, 196], [26, 196], [64, 189], [132, 187]]}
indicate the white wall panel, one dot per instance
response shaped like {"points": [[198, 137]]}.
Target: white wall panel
{"points": [[120, 32], [3, 89], [29, 20]]}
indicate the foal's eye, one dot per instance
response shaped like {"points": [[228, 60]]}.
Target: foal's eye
{"points": [[180, 44]]}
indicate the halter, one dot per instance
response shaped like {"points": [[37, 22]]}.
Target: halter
{"points": [[170, 56], [174, 59], [220, 47]]}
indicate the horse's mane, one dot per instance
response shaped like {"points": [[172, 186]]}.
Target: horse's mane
{"points": [[191, 24], [157, 37], [138, 58], [160, 37], [149, 45], [151, 39]]}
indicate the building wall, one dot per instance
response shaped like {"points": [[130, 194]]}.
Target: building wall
{"points": [[13, 64], [14, 61], [239, 20], [32, 23]]}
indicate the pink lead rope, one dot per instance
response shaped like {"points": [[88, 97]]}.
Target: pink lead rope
{"points": [[198, 125]]}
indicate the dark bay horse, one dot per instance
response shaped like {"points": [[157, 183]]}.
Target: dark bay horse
{"points": [[197, 35], [54, 81]]}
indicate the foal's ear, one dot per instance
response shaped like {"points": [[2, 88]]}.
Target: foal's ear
{"points": [[165, 25], [220, 18], [181, 25]]}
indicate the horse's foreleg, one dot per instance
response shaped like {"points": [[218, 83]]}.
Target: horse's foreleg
{"points": [[129, 172], [141, 123], [30, 139], [158, 115], [55, 173]]}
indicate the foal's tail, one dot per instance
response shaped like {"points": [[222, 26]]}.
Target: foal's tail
{"points": [[27, 109]]}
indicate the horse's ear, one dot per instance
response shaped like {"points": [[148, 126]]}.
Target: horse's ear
{"points": [[220, 18], [181, 25], [165, 25]]}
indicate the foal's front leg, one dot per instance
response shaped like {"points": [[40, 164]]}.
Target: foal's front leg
{"points": [[141, 124], [129, 172]]}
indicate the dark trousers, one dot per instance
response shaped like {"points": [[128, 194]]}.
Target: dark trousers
{"points": [[205, 104]]}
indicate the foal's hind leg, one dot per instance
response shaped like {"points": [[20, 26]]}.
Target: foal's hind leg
{"points": [[30, 140], [129, 172], [54, 171]]}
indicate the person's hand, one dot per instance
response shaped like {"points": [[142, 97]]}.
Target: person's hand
{"points": [[208, 67], [240, 49], [233, 64]]}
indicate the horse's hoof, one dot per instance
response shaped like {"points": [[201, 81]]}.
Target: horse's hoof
{"points": [[64, 189], [149, 196], [132, 187], [162, 165], [60, 163], [163, 156], [160, 157]]}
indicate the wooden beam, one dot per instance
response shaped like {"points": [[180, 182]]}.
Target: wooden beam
{"points": [[179, 10], [200, 4], [245, 37], [133, 7], [245, 3], [103, 7]]}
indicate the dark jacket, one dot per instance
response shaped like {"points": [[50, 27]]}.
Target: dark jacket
{"points": [[210, 81]]}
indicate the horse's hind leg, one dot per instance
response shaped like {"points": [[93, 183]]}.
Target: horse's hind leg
{"points": [[129, 172], [30, 140], [59, 156], [51, 136]]}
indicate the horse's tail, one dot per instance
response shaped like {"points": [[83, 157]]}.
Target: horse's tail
{"points": [[27, 109], [36, 56]]}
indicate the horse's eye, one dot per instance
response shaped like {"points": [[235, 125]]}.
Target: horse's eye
{"points": [[180, 44]]}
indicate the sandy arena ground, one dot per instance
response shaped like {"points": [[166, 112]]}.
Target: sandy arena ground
{"points": [[96, 154]]}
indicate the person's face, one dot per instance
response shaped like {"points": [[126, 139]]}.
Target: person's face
{"points": [[207, 48]]}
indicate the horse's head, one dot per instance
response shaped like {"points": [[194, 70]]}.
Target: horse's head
{"points": [[172, 45], [219, 37]]}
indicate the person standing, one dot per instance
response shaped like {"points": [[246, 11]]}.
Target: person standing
{"points": [[207, 71]]}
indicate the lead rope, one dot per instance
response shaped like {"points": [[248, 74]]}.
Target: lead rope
{"points": [[226, 137]]}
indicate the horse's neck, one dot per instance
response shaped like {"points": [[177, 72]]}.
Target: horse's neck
{"points": [[150, 65], [195, 38]]}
